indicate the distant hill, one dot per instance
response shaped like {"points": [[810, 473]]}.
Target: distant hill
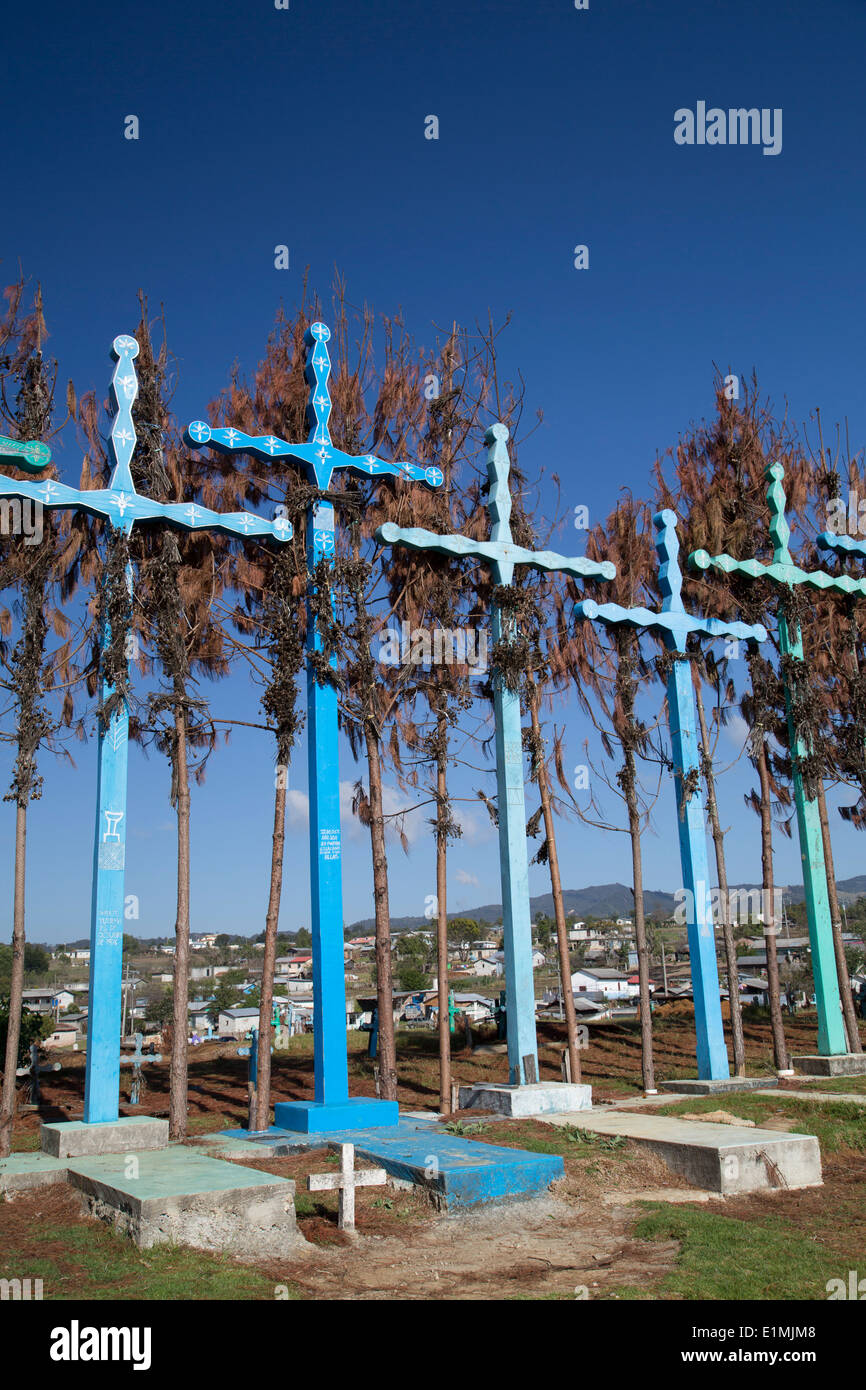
{"points": [[601, 900]]}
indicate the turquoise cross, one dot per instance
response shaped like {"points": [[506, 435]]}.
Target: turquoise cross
{"points": [[121, 506], [332, 1107], [503, 556], [783, 571], [676, 626]]}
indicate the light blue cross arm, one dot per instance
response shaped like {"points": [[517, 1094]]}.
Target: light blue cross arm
{"points": [[119, 503], [831, 1030], [319, 455], [828, 540], [28, 454], [500, 551], [672, 620], [783, 570]]}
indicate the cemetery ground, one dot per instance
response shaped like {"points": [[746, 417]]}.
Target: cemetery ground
{"points": [[619, 1226]]}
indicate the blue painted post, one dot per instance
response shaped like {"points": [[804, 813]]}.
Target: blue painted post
{"points": [[676, 625], [121, 506], [332, 1107], [832, 1040], [503, 555]]}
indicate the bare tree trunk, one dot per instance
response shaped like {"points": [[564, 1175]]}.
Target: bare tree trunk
{"points": [[178, 1094], [384, 986], [780, 1049], [739, 1046], [646, 1023], [442, 923], [16, 986], [566, 991], [269, 959], [848, 1012]]}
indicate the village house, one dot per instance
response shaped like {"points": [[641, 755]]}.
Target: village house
{"points": [[611, 984]]}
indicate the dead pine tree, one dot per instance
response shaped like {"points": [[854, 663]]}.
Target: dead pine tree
{"points": [[610, 673], [30, 671]]}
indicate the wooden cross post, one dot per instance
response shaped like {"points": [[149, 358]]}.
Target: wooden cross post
{"points": [[676, 625], [345, 1182], [33, 1071], [503, 556], [832, 1040], [331, 1108], [135, 1060], [121, 507]]}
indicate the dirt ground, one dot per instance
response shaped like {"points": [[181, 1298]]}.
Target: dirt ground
{"points": [[217, 1076]]}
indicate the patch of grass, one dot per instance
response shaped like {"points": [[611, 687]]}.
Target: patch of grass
{"points": [[102, 1265], [26, 1143], [836, 1124], [723, 1257], [853, 1085]]}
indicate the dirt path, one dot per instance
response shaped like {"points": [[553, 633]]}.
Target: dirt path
{"points": [[546, 1246]]}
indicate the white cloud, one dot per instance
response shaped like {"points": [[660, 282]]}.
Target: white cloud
{"points": [[463, 877]]}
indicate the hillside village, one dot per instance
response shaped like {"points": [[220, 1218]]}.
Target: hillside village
{"points": [[226, 972]]}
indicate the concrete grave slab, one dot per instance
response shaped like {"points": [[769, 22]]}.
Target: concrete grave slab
{"points": [[179, 1194], [524, 1102], [718, 1158], [456, 1172], [696, 1087], [843, 1064], [26, 1170], [129, 1134]]}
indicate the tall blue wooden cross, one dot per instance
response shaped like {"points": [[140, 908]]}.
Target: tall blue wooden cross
{"points": [[503, 555], [332, 1107], [832, 1040], [121, 506], [675, 625]]}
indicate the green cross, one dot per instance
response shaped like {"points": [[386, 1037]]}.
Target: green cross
{"points": [[831, 1029]]}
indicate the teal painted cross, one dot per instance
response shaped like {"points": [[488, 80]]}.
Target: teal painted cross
{"points": [[121, 506], [332, 1108], [676, 625], [783, 571], [503, 555]]}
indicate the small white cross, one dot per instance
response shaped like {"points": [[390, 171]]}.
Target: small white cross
{"points": [[199, 429], [321, 361], [271, 443], [192, 512], [122, 502], [232, 435], [346, 1181]]}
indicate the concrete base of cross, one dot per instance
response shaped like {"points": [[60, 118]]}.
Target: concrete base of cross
{"points": [[318, 1117], [843, 1064], [519, 1102], [129, 1134], [697, 1087]]}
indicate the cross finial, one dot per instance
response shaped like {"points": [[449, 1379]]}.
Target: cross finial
{"points": [[316, 373], [668, 549], [124, 389], [27, 454], [780, 531], [498, 471]]}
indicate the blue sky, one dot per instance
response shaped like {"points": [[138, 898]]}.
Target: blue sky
{"points": [[305, 127]]}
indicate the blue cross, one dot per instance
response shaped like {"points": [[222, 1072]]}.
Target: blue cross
{"points": [[503, 556], [121, 506], [332, 1107], [676, 625]]}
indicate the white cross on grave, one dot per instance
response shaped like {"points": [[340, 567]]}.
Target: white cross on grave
{"points": [[346, 1181]]}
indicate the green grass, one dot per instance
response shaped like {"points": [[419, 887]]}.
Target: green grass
{"points": [[853, 1085], [101, 1264], [722, 1257], [836, 1124]]}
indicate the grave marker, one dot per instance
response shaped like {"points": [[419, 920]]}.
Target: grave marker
{"points": [[832, 1040], [675, 625], [503, 555], [345, 1183], [121, 507]]}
